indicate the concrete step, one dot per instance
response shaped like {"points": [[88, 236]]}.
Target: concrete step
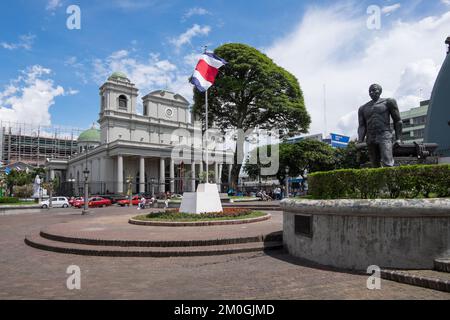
{"points": [[272, 237], [442, 264], [36, 241], [430, 279]]}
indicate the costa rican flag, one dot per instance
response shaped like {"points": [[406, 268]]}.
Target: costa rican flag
{"points": [[206, 71]]}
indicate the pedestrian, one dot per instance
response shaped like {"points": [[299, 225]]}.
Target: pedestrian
{"points": [[142, 203]]}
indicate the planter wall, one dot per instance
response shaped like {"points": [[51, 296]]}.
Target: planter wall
{"points": [[355, 234]]}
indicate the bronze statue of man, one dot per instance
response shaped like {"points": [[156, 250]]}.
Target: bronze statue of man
{"points": [[374, 126]]}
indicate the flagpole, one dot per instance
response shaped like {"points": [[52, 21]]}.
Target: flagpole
{"points": [[206, 134]]}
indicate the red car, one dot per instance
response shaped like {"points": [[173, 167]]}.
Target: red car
{"points": [[134, 201], [93, 202], [73, 200]]}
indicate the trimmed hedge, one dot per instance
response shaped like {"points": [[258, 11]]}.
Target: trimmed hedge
{"points": [[418, 181], [9, 200]]}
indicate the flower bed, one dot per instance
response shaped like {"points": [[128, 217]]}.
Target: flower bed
{"points": [[227, 214]]}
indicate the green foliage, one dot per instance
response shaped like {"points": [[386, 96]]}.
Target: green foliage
{"points": [[25, 191], [9, 200], [310, 155], [202, 176], [419, 181], [251, 90], [350, 157]]}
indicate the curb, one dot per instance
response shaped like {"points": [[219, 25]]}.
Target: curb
{"points": [[425, 282], [442, 265]]}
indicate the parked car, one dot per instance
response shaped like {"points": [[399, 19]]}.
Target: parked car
{"points": [[93, 202], [57, 202], [73, 200], [125, 202]]}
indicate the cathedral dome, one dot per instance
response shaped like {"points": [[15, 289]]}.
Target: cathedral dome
{"points": [[119, 76], [90, 135]]}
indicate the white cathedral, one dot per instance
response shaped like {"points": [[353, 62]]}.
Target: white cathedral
{"points": [[133, 150]]}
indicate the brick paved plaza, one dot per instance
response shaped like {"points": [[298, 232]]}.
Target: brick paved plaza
{"points": [[28, 273]]}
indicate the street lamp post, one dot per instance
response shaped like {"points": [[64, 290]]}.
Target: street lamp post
{"points": [[50, 187], [86, 192], [287, 181]]}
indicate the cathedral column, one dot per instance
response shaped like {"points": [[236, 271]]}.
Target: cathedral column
{"points": [[200, 168], [162, 175], [220, 172], [172, 176], [193, 176], [216, 173], [119, 174], [142, 175]]}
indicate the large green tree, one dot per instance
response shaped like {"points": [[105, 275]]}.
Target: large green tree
{"points": [[350, 157], [251, 91], [309, 155]]}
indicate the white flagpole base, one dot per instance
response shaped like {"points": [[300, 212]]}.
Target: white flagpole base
{"points": [[205, 200]]}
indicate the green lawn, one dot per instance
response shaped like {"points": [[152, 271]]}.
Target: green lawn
{"points": [[186, 217], [20, 203], [242, 198]]}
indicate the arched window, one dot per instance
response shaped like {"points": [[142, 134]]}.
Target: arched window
{"points": [[123, 102]]}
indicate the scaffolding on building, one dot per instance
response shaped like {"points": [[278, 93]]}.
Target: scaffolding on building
{"points": [[34, 144]]}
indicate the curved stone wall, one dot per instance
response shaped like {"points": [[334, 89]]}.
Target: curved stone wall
{"points": [[354, 234]]}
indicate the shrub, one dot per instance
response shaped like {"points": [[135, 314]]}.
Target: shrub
{"points": [[397, 182], [9, 200], [25, 191]]}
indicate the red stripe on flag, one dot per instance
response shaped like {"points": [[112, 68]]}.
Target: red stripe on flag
{"points": [[208, 73]]}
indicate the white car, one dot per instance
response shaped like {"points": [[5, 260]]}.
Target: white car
{"points": [[57, 202]]}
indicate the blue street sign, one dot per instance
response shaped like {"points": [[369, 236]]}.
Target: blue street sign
{"points": [[7, 170], [339, 141]]}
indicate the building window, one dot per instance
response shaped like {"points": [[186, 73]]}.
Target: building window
{"points": [[145, 110], [123, 101], [103, 103], [419, 133]]}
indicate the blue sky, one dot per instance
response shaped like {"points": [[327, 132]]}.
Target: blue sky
{"points": [[50, 74]]}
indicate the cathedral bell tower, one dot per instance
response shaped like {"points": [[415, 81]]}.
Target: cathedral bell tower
{"points": [[117, 99]]}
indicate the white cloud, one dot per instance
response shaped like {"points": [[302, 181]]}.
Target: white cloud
{"points": [[192, 59], [446, 2], [25, 42], [187, 36], [137, 4], [79, 68], [347, 57], [53, 5], [197, 11], [29, 97], [390, 9]]}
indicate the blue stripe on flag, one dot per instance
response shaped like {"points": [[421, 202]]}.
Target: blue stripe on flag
{"points": [[197, 84], [212, 55]]}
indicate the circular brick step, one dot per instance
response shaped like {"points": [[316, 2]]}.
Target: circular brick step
{"points": [[442, 265], [272, 237], [39, 242]]}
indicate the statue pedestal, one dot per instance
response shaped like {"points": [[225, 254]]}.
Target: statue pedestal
{"points": [[206, 199]]}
